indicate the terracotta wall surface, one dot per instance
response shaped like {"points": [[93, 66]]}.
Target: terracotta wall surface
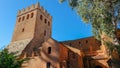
{"points": [[70, 56], [39, 59], [63, 52], [86, 45], [80, 62], [24, 29]]}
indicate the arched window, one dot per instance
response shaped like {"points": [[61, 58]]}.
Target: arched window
{"points": [[49, 50], [19, 19], [32, 14], [45, 33], [45, 21], [48, 23], [28, 16], [23, 18], [41, 17]]}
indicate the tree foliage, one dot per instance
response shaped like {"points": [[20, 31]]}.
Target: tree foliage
{"points": [[9, 60], [104, 15]]}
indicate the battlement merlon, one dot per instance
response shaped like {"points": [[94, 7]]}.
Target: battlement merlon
{"points": [[33, 7]]}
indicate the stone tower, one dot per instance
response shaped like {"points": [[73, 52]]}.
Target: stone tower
{"points": [[32, 22], [33, 27]]}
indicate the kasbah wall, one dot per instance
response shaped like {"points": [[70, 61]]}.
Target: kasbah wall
{"points": [[32, 38]]}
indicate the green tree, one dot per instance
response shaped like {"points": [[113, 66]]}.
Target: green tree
{"points": [[9, 60], [104, 15]]}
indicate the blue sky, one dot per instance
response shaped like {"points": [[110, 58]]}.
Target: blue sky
{"points": [[66, 25]]}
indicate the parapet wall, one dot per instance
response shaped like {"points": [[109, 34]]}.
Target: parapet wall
{"points": [[33, 7]]}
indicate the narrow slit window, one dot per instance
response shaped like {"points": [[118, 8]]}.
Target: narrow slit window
{"points": [[23, 18], [45, 21], [41, 17], [32, 14], [19, 19], [28, 16], [48, 23]]}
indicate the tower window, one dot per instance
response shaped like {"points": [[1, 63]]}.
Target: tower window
{"points": [[48, 65], [49, 50], [41, 17], [45, 21], [48, 23], [28, 16], [23, 18], [19, 19], [23, 30], [32, 14], [45, 33]]}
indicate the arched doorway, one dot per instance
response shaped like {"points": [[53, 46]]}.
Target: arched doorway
{"points": [[98, 67]]}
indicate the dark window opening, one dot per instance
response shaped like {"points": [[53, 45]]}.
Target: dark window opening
{"points": [[48, 65], [98, 67], [32, 15], [28, 16], [68, 64], [41, 17], [19, 19], [49, 50], [45, 21], [48, 23], [86, 41], [80, 44], [45, 33], [23, 18], [23, 30]]}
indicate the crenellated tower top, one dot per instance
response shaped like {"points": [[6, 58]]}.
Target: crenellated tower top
{"points": [[32, 8]]}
